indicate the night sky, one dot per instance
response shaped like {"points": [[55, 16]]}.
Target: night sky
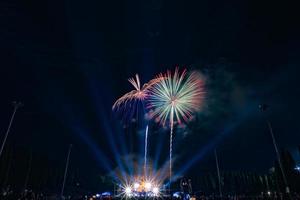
{"points": [[68, 61]]}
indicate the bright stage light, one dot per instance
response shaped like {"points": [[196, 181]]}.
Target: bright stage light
{"points": [[155, 191], [136, 186], [148, 186], [140, 188], [128, 191]]}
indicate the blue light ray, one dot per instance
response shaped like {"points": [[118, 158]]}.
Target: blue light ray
{"points": [[100, 112], [215, 141]]}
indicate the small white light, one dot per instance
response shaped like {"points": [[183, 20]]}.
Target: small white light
{"points": [[155, 191], [136, 186], [97, 195], [269, 193], [148, 186], [128, 191]]}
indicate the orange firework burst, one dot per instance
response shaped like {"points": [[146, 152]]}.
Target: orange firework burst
{"points": [[139, 93]]}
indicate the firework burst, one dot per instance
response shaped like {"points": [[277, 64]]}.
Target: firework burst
{"points": [[138, 94], [175, 98], [128, 103]]}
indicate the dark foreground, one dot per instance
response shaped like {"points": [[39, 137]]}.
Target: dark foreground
{"points": [[40, 196]]}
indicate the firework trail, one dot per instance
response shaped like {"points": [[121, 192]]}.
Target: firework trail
{"points": [[139, 94], [146, 149], [174, 99]]}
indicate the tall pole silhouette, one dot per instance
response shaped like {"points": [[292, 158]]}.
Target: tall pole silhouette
{"points": [[287, 189], [16, 106], [66, 171], [218, 172], [264, 107]]}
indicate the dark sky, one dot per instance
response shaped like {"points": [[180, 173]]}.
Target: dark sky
{"points": [[68, 60]]}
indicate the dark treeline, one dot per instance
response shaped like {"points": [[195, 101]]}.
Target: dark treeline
{"points": [[245, 182], [20, 168]]}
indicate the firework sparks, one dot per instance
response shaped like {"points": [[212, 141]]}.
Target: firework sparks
{"points": [[139, 93], [175, 98]]}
